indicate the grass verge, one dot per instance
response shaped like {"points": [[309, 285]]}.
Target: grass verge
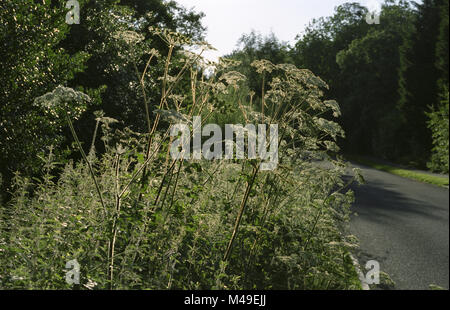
{"points": [[410, 174]]}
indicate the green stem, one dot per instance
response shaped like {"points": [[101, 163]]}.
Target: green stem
{"points": [[114, 229], [241, 212], [91, 171]]}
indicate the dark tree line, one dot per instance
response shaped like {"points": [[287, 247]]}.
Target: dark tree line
{"points": [[390, 79], [422, 80]]}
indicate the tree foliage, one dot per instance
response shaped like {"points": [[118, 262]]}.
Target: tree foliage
{"points": [[40, 51], [439, 126], [368, 84], [418, 81], [33, 63]]}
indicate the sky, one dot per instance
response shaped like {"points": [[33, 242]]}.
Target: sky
{"points": [[227, 20]]}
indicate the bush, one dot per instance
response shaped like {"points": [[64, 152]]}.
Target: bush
{"points": [[438, 123]]}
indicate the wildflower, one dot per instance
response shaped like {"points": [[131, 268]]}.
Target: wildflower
{"points": [[233, 78], [63, 100], [130, 37], [263, 65]]}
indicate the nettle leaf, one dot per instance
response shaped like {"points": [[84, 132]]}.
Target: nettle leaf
{"points": [[140, 158]]}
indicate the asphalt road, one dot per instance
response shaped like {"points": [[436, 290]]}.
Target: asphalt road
{"points": [[404, 225]]}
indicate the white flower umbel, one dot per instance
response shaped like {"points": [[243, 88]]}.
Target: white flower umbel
{"points": [[63, 100], [257, 145]]}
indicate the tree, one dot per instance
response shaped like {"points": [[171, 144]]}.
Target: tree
{"points": [[317, 47], [442, 50], [418, 83], [254, 46], [438, 118], [32, 64], [368, 87]]}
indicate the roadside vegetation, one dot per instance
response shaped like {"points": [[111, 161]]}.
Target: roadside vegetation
{"points": [[442, 181], [133, 217], [85, 167]]}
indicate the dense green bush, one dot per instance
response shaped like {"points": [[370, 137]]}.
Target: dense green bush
{"points": [[32, 63], [134, 218], [438, 123]]}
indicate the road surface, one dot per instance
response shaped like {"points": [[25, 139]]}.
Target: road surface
{"points": [[404, 225]]}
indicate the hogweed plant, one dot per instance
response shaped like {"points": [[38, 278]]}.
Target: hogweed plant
{"points": [[135, 217]]}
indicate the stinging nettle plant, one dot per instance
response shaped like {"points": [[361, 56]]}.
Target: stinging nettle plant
{"points": [[135, 218]]}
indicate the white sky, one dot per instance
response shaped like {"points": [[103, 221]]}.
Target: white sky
{"points": [[227, 20]]}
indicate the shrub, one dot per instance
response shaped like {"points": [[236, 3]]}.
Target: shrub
{"points": [[438, 123]]}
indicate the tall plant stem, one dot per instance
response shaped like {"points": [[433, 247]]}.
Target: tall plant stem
{"points": [[241, 212], [168, 172], [114, 228], [319, 214], [152, 129], [174, 188], [144, 94], [263, 219], [91, 171], [94, 137], [263, 99]]}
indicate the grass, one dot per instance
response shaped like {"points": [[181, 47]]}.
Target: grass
{"points": [[409, 174]]}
